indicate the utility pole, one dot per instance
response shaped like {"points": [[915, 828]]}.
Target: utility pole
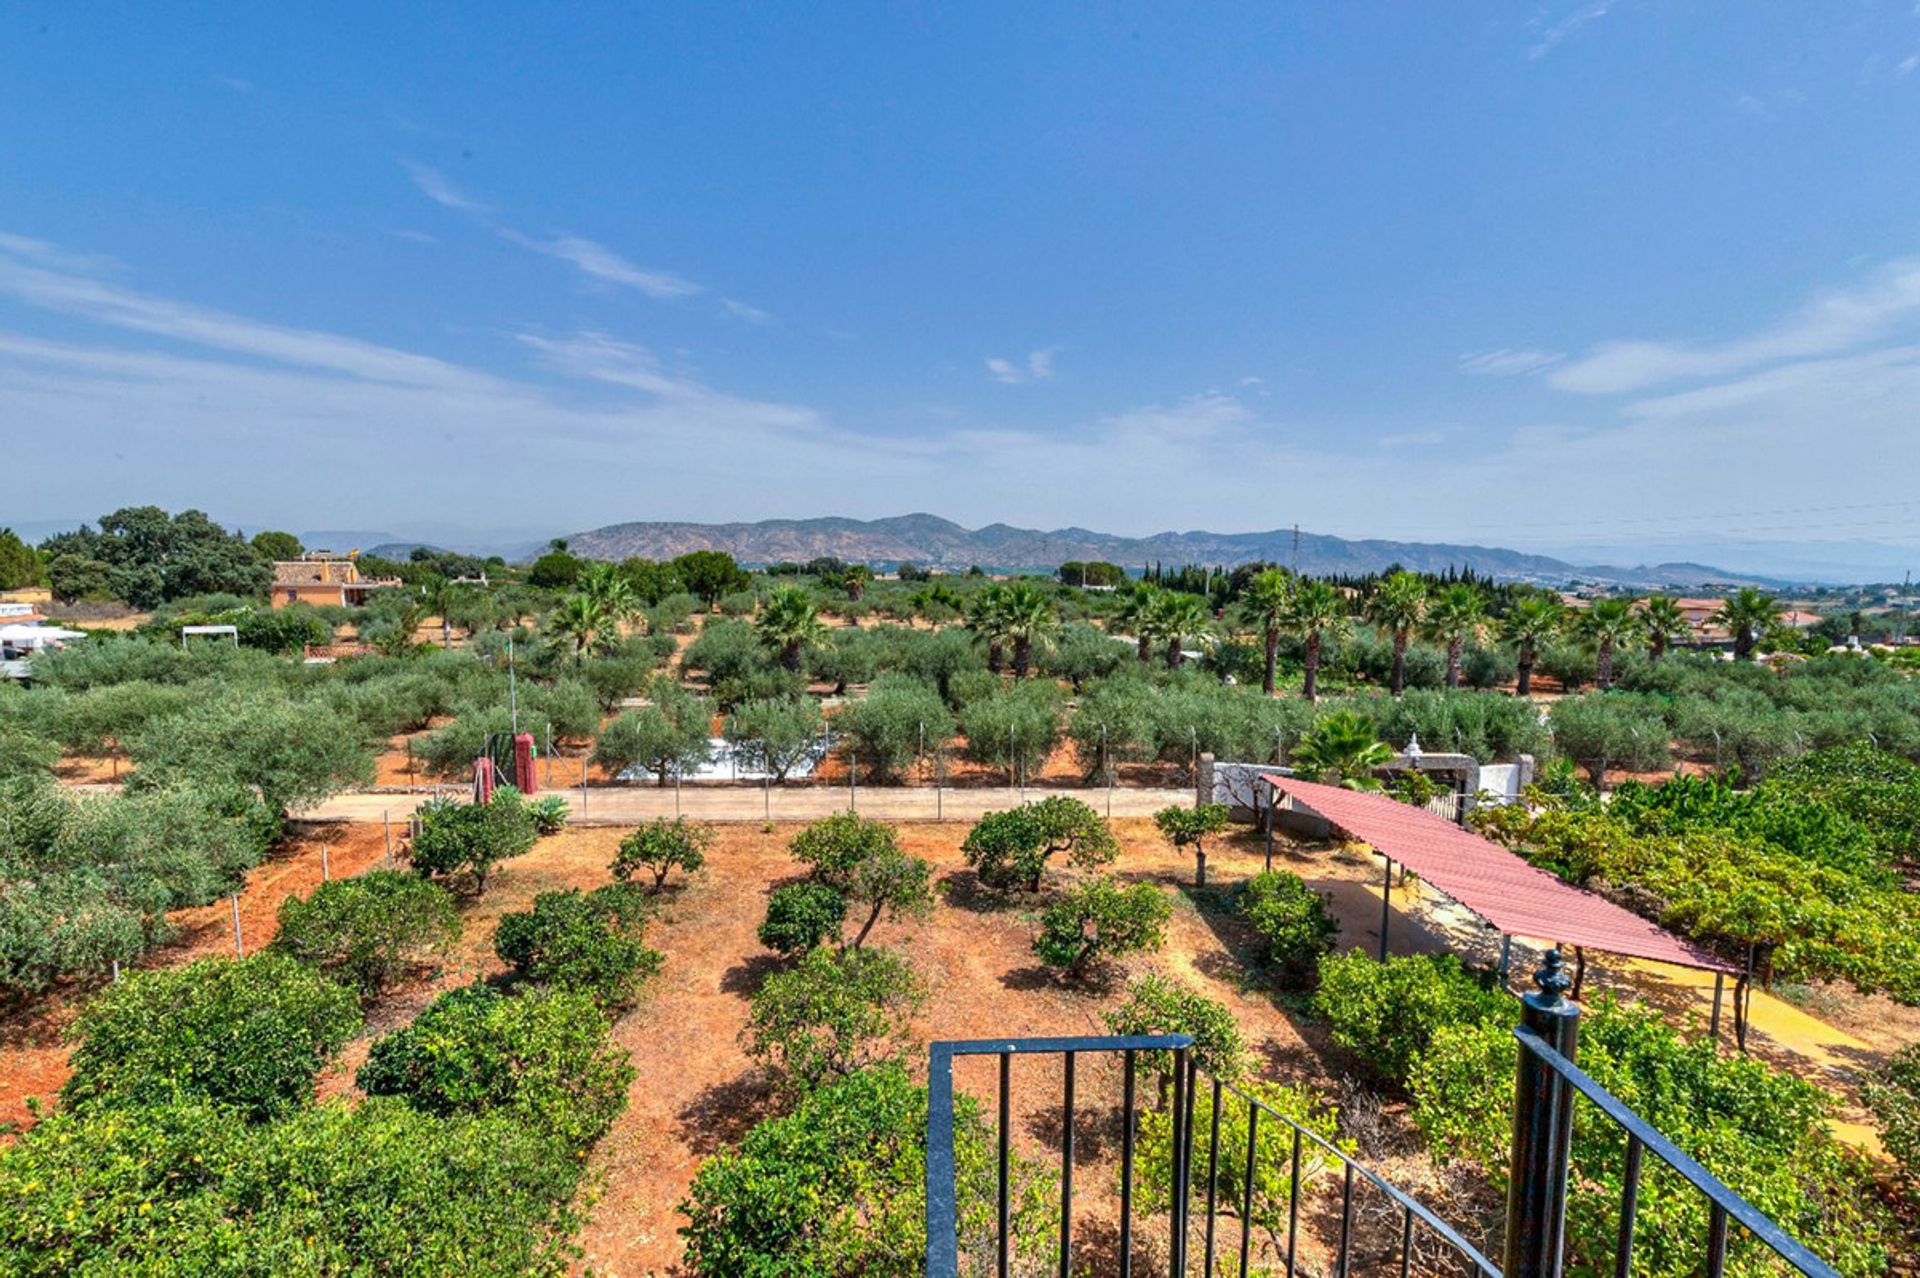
{"points": [[1296, 550]]}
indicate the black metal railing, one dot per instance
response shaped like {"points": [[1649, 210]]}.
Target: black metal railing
{"points": [[1545, 1089], [1416, 1221], [1544, 1094]]}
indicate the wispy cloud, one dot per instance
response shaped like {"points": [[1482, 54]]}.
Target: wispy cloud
{"points": [[740, 310], [1508, 363], [436, 187], [590, 257], [1549, 37], [1836, 322], [1037, 367], [602, 263], [234, 83], [1413, 439]]}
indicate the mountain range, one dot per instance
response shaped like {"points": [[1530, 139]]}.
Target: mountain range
{"points": [[933, 542]]}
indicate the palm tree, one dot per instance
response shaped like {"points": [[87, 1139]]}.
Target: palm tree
{"points": [[610, 589], [1456, 615], [855, 578], [1663, 622], [579, 619], [1315, 611], [1342, 749], [1176, 615], [1609, 623], [1025, 615], [986, 617], [1263, 604], [788, 623], [1136, 607], [439, 598], [1746, 613], [1527, 625], [1398, 602]]}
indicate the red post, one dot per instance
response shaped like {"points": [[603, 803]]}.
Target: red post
{"points": [[482, 779], [523, 773]]}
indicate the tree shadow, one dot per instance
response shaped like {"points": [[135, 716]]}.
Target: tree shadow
{"points": [[1096, 1250], [721, 1114], [1096, 1129], [964, 890], [747, 976]]}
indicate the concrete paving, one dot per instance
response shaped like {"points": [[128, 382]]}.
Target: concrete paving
{"points": [[629, 805]]}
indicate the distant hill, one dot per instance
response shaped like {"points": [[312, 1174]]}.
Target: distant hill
{"points": [[933, 542]]}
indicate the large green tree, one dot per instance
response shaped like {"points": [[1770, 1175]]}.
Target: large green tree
{"points": [[1264, 605], [1458, 613], [1529, 625], [1399, 605], [1746, 614], [1315, 611]]}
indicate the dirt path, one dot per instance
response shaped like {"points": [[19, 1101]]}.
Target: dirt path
{"points": [[629, 805]]}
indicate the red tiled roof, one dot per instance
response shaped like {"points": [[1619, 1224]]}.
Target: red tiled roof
{"points": [[1518, 898]]}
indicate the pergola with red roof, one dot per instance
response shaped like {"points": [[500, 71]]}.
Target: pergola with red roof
{"points": [[1517, 898]]}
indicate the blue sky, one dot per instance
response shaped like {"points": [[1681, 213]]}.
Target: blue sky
{"points": [[1590, 277]]}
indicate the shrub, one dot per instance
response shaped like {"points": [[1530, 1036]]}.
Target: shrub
{"points": [[549, 813], [1292, 919], [800, 916], [469, 839], [886, 729], [1015, 728], [862, 860], [367, 931], [668, 737], [1273, 1159], [290, 752], [1011, 848], [1761, 1131], [541, 1056], [1156, 1005], [661, 846], [839, 1187], [776, 735], [1387, 1013], [249, 1033], [833, 1014], [1191, 827], [1100, 921], [591, 942], [1610, 730], [1893, 1094]]}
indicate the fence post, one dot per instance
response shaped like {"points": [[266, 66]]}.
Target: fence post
{"points": [[1542, 1130], [238, 950]]}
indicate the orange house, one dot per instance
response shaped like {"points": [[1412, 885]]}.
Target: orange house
{"points": [[324, 578]]}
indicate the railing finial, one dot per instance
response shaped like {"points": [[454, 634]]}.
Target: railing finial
{"points": [[1552, 978]]}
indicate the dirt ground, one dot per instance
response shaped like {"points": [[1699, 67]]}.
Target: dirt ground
{"points": [[696, 1090]]}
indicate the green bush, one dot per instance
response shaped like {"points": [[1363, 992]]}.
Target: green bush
{"points": [[1010, 848], [292, 753], [591, 942], [861, 859], [1761, 1131], [465, 841], [540, 1056], [1292, 919], [1272, 1188], [1100, 921], [800, 916], [1014, 728], [249, 1033], [1893, 1094], [1192, 827], [549, 813], [776, 735], [887, 728], [1387, 1013], [87, 880], [672, 735], [839, 1187], [1156, 1005], [367, 932], [832, 1014], [661, 846]]}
